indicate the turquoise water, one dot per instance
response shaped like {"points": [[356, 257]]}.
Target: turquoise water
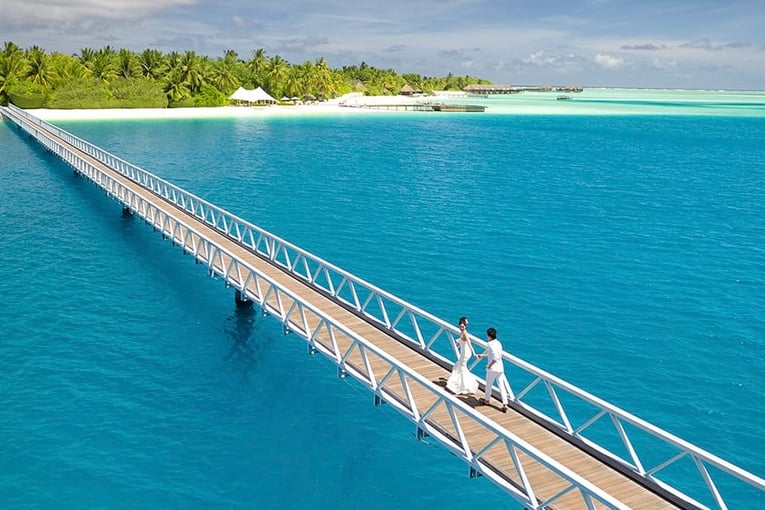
{"points": [[737, 103], [622, 253]]}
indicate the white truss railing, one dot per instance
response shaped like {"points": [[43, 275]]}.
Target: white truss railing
{"points": [[434, 336], [396, 384]]}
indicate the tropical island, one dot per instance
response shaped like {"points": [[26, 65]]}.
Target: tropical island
{"points": [[121, 78]]}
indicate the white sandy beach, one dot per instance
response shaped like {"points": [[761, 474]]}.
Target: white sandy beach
{"points": [[191, 113], [351, 104]]}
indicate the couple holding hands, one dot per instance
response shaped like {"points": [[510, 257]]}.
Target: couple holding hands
{"points": [[463, 382]]}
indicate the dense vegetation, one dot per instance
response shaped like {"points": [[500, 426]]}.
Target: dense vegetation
{"points": [[110, 78]]}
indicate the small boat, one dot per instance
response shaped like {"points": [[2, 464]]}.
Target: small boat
{"points": [[563, 98]]}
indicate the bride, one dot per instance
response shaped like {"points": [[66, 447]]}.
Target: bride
{"points": [[461, 381]]}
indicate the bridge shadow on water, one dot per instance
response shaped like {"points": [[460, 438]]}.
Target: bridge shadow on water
{"points": [[245, 351]]}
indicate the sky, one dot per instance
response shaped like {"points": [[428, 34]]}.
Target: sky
{"points": [[698, 44]]}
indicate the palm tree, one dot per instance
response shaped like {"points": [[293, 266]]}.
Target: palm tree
{"points": [[12, 54], [38, 71], [127, 64], [86, 56], [107, 50], [230, 57], [222, 74], [6, 78], [206, 68], [392, 81], [102, 64], [12, 68], [103, 67], [173, 61], [191, 69], [257, 65], [293, 83], [276, 73], [152, 64], [175, 86], [324, 79], [66, 68]]}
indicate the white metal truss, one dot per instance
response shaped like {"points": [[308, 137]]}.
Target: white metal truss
{"points": [[416, 327]]}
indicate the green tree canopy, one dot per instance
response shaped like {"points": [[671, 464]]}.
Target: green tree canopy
{"points": [[105, 77]]}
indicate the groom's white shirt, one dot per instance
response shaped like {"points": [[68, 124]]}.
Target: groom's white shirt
{"points": [[495, 355]]}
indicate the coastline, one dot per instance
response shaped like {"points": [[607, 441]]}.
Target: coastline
{"points": [[588, 102], [353, 103], [194, 112]]}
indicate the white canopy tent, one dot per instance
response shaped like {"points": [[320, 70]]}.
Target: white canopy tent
{"points": [[239, 95], [252, 96]]}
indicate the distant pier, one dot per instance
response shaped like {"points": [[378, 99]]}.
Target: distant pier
{"points": [[510, 89], [419, 107]]}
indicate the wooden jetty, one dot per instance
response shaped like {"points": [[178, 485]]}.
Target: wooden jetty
{"points": [[418, 107], [458, 108]]}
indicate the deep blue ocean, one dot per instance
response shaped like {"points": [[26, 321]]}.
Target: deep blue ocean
{"points": [[625, 254]]}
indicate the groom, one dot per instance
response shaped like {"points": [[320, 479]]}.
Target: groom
{"points": [[495, 370]]}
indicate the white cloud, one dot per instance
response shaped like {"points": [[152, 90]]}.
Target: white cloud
{"points": [[609, 61], [544, 59], [583, 42], [643, 47], [34, 12]]}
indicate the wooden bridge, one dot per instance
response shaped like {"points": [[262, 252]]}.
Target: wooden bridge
{"points": [[403, 356]]}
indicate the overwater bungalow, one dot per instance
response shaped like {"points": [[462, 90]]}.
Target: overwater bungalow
{"points": [[509, 89], [491, 89]]}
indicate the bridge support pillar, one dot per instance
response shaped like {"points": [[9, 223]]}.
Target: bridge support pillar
{"points": [[474, 473], [311, 350], [286, 330], [126, 211], [241, 300], [341, 373], [421, 434], [379, 401]]}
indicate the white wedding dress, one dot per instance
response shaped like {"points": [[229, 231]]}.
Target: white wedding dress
{"points": [[461, 381]]}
